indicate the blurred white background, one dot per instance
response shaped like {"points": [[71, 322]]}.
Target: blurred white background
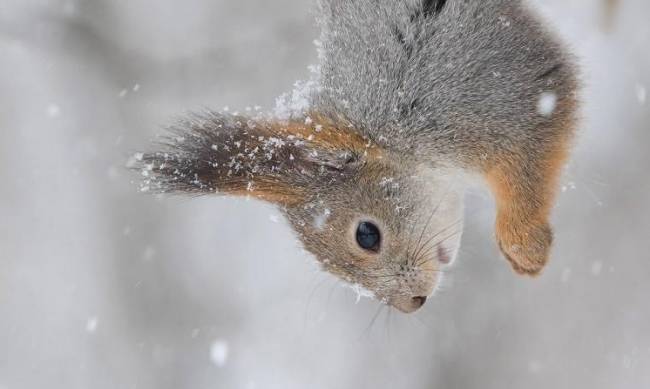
{"points": [[103, 287]]}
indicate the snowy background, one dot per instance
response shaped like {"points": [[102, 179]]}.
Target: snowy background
{"points": [[103, 287]]}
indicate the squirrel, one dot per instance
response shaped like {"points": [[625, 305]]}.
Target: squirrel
{"points": [[410, 96]]}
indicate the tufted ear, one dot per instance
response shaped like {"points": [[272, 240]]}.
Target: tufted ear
{"points": [[281, 162]]}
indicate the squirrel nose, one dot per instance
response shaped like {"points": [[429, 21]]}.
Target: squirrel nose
{"points": [[418, 301], [408, 304]]}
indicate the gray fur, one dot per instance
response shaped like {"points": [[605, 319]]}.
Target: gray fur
{"points": [[438, 81]]}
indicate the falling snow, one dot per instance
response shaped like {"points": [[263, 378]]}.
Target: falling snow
{"points": [[566, 275], [149, 253], [91, 325], [569, 186], [53, 110], [219, 351], [320, 220], [596, 268], [535, 367], [546, 104], [641, 94]]}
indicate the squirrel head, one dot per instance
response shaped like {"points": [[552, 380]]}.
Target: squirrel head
{"points": [[375, 218]]}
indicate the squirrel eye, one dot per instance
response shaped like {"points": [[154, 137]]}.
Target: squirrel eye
{"points": [[368, 236]]}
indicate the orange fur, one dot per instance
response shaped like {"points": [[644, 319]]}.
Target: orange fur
{"points": [[319, 135], [325, 134], [524, 187]]}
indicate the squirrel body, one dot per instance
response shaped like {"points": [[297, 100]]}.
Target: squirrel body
{"points": [[411, 93]]}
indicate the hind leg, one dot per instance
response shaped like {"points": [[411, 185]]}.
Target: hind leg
{"points": [[524, 187]]}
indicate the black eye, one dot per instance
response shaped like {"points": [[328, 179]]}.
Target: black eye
{"points": [[368, 236]]}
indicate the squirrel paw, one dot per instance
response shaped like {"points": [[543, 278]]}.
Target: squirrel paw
{"points": [[525, 246]]}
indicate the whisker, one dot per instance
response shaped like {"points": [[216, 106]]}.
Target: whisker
{"points": [[424, 257], [433, 212], [436, 244], [418, 319], [452, 225], [450, 236], [313, 292], [374, 318], [388, 321], [432, 271], [426, 226], [410, 238]]}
